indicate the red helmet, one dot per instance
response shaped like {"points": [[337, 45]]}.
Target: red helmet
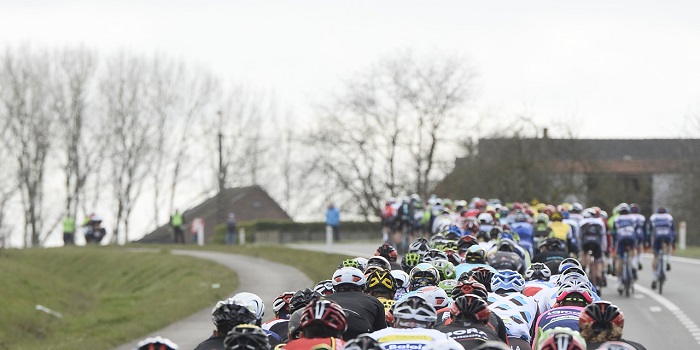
{"points": [[471, 306], [469, 287], [387, 251], [602, 315], [324, 312]]}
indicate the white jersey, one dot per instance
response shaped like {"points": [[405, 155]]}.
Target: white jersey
{"points": [[601, 231], [546, 298], [407, 338], [662, 225], [517, 311]]}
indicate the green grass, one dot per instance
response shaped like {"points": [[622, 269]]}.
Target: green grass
{"points": [[689, 252], [107, 296]]}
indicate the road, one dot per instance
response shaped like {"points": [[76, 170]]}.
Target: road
{"points": [[654, 321], [189, 332]]}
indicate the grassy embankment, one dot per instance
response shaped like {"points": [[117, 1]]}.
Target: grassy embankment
{"points": [[689, 252], [106, 295]]}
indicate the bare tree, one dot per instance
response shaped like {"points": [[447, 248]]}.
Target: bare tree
{"points": [[27, 122], [71, 85], [384, 134], [128, 136]]}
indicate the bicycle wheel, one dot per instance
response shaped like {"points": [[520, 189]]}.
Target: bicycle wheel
{"points": [[662, 274]]}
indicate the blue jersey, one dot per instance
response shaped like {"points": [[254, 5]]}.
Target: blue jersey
{"points": [[562, 316], [625, 227], [662, 225], [524, 230]]}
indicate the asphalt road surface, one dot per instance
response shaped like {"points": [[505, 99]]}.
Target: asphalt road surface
{"points": [[668, 321], [189, 332]]}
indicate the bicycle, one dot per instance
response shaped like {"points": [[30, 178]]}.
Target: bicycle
{"points": [[660, 271], [627, 276], [594, 270]]}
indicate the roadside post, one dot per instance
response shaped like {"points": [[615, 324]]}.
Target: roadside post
{"points": [[329, 239], [241, 236], [681, 235]]}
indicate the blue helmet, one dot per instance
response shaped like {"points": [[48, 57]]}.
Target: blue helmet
{"points": [[454, 230], [507, 281]]}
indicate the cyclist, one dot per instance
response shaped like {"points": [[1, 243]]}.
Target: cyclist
{"points": [[469, 327], [625, 231], [642, 232], [518, 311], [414, 319], [156, 343], [324, 287], [593, 241], [602, 321], [541, 230], [247, 336], [226, 315], [551, 252], [409, 261], [536, 279], [280, 324], [390, 254], [423, 275], [363, 342], [663, 233], [524, 229], [365, 313], [322, 323], [506, 258], [402, 283], [474, 257], [571, 299], [563, 231], [381, 285]]}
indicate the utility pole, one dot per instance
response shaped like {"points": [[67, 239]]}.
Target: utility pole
{"points": [[222, 178]]}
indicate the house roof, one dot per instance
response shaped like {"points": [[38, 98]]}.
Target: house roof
{"points": [[248, 203]]}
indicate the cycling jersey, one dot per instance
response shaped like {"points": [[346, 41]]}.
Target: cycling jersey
{"points": [[625, 228], [444, 317], [517, 311], [546, 298], [562, 316], [365, 312], [506, 261], [406, 338], [466, 267], [551, 259], [533, 287], [278, 326], [525, 231], [662, 229], [469, 334], [592, 236]]}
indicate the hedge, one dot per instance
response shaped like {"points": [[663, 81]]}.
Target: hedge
{"points": [[288, 226]]}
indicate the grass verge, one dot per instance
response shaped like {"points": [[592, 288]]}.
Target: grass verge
{"points": [[689, 252], [106, 295]]}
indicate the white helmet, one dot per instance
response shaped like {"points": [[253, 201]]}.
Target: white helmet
{"points": [[485, 218], [362, 262], [436, 296], [414, 309], [348, 275], [253, 303], [401, 277]]}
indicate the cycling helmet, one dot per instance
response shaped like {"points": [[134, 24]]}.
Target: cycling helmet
{"points": [[280, 306], [568, 262], [424, 275], [623, 208], [156, 343], [448, 285], [662, 210], [254, 303], [387, 251], [453, 232], [324, 287], [445, 268], [362, 262], [574, 293], [449, 245], [556, 216], [634, 208], [571, 270], [294, 326], [520, 217], [552, 245], [588, 213], [493, 345], [453, 257], [380, 279], [506, 245], [507, 281], [436, 296], [434, 254], [325, 313], [349, 263], [465, 242], [443, 344], [419, 246], [481, 204], [348, 276], [538, 272], [475, 255], [485, 219], [471, 226], [482, 275], [471, 306], [410, 261], [231, 312], [413, 312], [470, 287], [302, 298], [576, 208], [614, 345], [601, 315], [363, 342], [379, 261], [247, 337], [402, 279], [542, 218], [560, 338]]}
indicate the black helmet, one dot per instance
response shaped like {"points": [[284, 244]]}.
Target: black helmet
{"points": [[231, 312], [363, 342], [302, 298], [471, 306], [247, 336]]}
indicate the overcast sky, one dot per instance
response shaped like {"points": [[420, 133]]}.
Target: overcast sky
{"points": [[614, 69]]}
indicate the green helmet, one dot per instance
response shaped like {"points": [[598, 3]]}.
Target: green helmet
{"points": [[349, 263], [410, 260], [447, 269], [448, 285], [560, 335]]}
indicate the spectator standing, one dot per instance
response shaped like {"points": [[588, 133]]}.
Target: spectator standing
{"points": [[231, 229], [333, 220], [176, 222], [68, 230]]}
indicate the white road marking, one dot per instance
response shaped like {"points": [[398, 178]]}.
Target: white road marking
{"points": [[680, 315], [655, 308]]}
